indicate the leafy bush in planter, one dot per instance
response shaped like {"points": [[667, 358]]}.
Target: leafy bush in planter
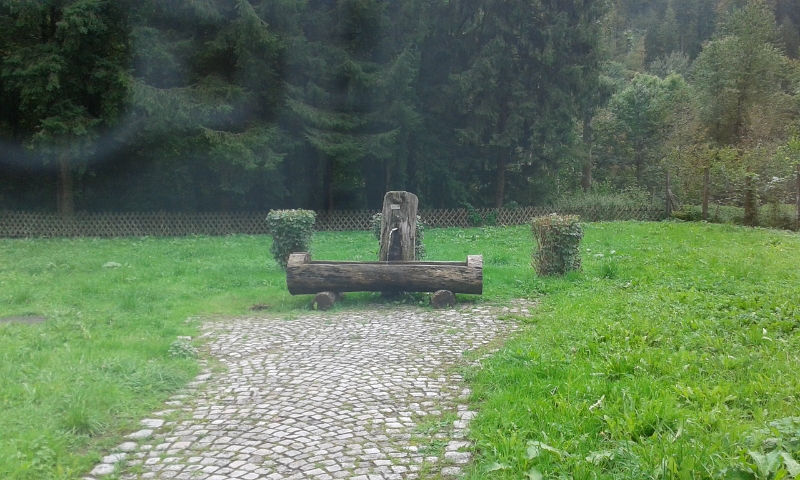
{"points": [[558, 239], [292, 231], [419, 247]]}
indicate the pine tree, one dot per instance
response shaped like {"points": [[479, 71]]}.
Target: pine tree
{"points": [[351, 93], [64, 66], [527, 63], [207, 86]]}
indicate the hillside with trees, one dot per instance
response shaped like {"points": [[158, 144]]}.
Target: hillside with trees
{"points": [[232, 105]]}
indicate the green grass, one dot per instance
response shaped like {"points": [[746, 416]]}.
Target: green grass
{"points": [[669, 331], [70, 387], [673, 355]]}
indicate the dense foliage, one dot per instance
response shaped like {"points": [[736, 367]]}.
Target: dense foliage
{"points": [[291, 231], [702, 85], [318, 104]]}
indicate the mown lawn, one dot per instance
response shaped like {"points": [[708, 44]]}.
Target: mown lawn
{"points": [[70, 387], [687, 332], [675, 354]]}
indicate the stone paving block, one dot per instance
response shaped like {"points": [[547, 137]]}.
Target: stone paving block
{"points": [[152, 422], [114, 458], [322, 396], [127, 447], [144, 433], [103, 469], [451, 471], [457, 457]]}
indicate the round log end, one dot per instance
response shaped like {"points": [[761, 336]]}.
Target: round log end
{"points": [[325, 300], [443, 299]]}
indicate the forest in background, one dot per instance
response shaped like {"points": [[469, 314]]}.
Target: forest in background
{"points": [[235, 105]]}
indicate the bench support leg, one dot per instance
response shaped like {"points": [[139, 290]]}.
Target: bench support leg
{"points": [[443, 299], [325, 300]]}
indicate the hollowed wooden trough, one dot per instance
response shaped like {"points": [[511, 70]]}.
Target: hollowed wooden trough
{"points": [[304, 276]]}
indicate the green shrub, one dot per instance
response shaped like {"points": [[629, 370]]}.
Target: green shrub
{"points": [[770, 216], [292, 231], [377, 221], [419, 246], [474, 217], [630, 197], [627, 204], [558, 240], [777, 216], [688, 213], [491, 219]]}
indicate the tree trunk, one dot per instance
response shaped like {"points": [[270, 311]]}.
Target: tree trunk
{"points": [[411, 173], [398, 226], [65, 195], [638, 162], [327, 184], [504, 154], [500, 179], [750, 207], [586, 176], [670, 204], [388, 165], [304, 276], [586, 173]]}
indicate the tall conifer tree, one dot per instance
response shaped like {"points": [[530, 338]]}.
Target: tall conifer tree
{"points": [[528, 60], [208, 87], [347, 91], [63, 70]]}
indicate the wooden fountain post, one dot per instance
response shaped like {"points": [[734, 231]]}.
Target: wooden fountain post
{"points": [[398, 227]]}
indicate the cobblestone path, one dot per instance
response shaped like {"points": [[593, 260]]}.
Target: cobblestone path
{"points": [[361, 395]]}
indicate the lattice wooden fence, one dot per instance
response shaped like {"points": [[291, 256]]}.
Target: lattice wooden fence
{"points": [[161, 224], [166, 224], [502, 216], [340, 220]]}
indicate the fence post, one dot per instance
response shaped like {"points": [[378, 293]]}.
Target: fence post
{"points": [[705, 193]]}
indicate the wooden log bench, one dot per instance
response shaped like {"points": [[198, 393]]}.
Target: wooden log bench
{"points": [[304, 276]]}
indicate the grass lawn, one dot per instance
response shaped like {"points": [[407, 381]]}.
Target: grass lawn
{"points": [[672, 354]]}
